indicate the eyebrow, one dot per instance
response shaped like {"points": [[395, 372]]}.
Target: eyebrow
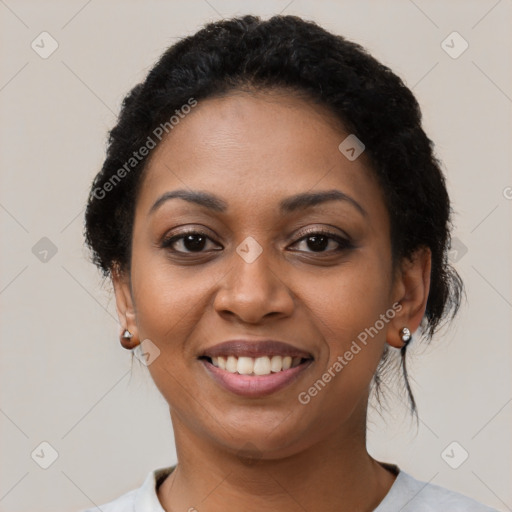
{"points": [[286, 206]]}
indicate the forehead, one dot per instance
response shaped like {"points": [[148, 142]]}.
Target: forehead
{"points": [[256, 148]]}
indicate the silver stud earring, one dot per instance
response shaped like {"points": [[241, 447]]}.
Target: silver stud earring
{"points": [[405, 334], [127, 334]]}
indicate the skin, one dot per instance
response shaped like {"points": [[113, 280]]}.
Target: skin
{"points": [[253, 149]]}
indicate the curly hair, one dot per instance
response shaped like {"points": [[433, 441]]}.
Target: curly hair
{"points": [[297, 55]]}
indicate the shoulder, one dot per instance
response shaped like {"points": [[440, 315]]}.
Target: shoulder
{"points": [[411, 495], [143, 499], [124, 503]]}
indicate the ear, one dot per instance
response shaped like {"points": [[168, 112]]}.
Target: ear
{"points": [[411, 289], [125, 308]]}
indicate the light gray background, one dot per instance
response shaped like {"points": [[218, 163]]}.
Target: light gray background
{"points": [[66, 380]]}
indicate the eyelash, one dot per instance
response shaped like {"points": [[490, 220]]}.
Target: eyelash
{"points": [[344, 244]]}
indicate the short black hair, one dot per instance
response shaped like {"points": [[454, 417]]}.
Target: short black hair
{"points": [[297, 55]]}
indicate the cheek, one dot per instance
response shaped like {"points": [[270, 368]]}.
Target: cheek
{"points": [[165, 307], [167, 298], [170, 305], [160, 299], [344, 311], [353, 314]]}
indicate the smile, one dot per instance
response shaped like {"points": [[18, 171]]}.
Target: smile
{"points": [[252, 384], [256, 365], [255, 368]]}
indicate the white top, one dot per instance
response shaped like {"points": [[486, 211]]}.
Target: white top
{"points": [[406, 495]]}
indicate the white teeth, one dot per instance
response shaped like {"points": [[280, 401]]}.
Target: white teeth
{"points": [[262, 366], [255, 366], [245, 365], [276, 364], [231, 364]]}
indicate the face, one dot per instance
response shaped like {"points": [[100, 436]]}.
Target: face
{"points": [[290, 242]]}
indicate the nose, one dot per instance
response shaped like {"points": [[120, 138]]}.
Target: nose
{"points": [[253, 290]]}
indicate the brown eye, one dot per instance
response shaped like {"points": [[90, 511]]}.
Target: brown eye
{"points": [[320, 242], [190, 242]]}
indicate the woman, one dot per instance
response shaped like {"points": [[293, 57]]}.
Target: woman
{"points": [[276, 228]]}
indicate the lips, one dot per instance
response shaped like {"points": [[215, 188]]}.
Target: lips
{"points": [[255, 368], [254, 349]]}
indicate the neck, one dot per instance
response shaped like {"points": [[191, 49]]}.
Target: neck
{"points": [[335, 474]]}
